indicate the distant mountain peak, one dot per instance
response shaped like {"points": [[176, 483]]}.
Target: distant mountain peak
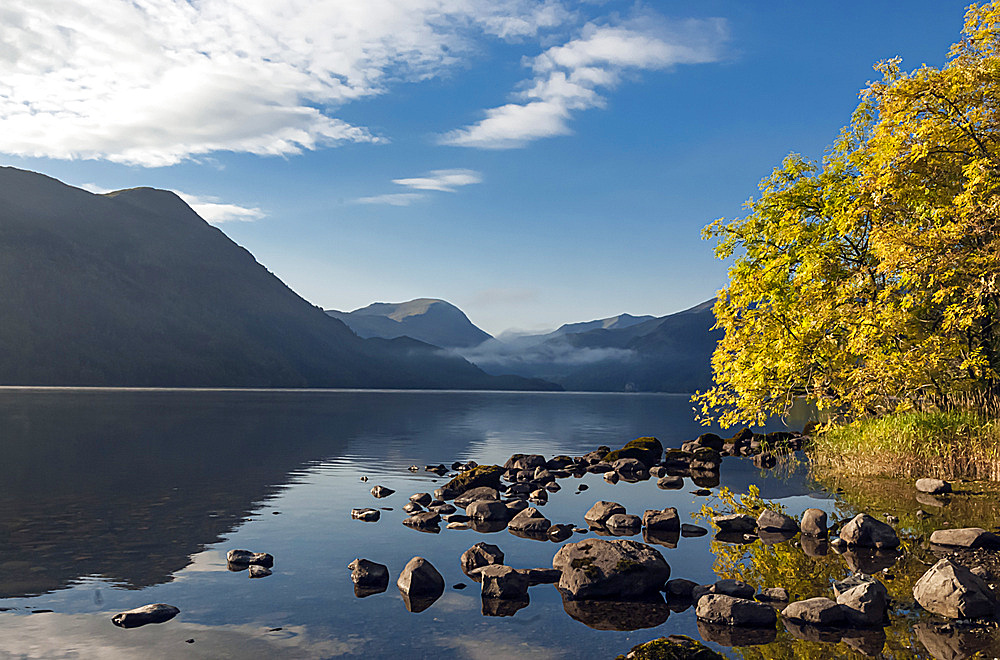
{"points": [[429, 320]]}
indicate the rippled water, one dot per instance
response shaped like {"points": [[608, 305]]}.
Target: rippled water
{"points": [[114, 499]]}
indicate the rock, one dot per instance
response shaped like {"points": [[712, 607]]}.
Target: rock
{"points": [[933, 486], [814, 522], [612, 477], [773, 595], [843, 586], [140, 616], [515, 506], [559, 533], [530, 521], [412, 507], [735, 522], [458, 525], [443, 509], [624, 521], [258, 571], [646, 450], [734, 588], [952, 591], [479, 555], [867, 532], [628, 466], [601, 511], [539, 496], [690, 531], [666, 520], [382, 491], [474, 494], [966, 537], [484, 475], [770, 520], [541, 575], [501, 581], [730, 611], [419, 579], [366, 515], [621, 569], [487, 510], [424, 520], [670, 483], [369, 574], [524, 462], [246, 558], [865, 604], [674, 647], [421, 498], [680, 588], [815, 611]]}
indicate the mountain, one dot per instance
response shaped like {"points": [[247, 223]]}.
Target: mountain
{"points": [[133, 288], [653, 354], [428, 320]]}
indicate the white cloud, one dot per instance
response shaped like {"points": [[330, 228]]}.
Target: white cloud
{"points": [[393, 199], [442, 180], [570, 77], [211, 209], [155, 82]]}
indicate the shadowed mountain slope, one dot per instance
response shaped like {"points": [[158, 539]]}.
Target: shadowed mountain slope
{"points": [[429, 320], [133, 288]]}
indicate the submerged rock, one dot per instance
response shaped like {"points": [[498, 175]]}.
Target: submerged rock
{"points": [[620, 569], [140, 616]]}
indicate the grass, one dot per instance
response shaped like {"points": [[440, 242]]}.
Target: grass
{"points": [[943, 444]]}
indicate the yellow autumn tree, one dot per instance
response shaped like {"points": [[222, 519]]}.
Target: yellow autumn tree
{"points": [[868, 282]]}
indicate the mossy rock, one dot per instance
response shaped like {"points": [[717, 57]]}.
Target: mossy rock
{"points": [[647, 450], [484, 475], [674, 647]]}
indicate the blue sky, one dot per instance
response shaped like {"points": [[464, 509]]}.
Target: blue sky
{"points": [[534, 162]]}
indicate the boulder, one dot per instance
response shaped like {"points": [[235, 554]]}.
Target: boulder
{"points": [[867, 532], [865, 604], [421, 498], [646, 450], [487, 510], [814, 522], [484, 475], [424, 520], [366, 515], [624, 521], [369, 574], [479, 555], [501, 581], [966, 537], [933, 486], [530, 521], [666, 520], [559, 533], [382, 491], [951, 590], [773, 521], [524, 462], [616, 569], [140, 616], [735, 522], [773, 595], [679, 588], [818, 611], [244, 558], [474, 494], [730, 611], [671, 482], [601, 511], [419, 579], [674, 647]]}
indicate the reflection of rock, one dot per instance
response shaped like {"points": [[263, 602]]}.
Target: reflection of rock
{"points": [[869, 561], [810, 633], [503, 606], [690, 531], [771, 537], [953, 642], [932, 500], [417, 604], [705, 478], [735, 635], [488, 526], [869, 641], [365, 592], [813, 546], [664, 538], [674, 646], [618, 615], [735, 538], [140, 616]]}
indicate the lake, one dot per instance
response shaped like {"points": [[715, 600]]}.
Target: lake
{"points": [[113, 499]]}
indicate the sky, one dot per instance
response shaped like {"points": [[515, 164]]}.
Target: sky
{"points": [[535, 162]]}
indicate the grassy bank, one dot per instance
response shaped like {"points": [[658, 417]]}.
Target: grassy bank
{"points": [[947, 445]]}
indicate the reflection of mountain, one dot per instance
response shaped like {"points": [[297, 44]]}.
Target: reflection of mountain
{"points": [[625, 353], [133, 288], [432, 321]]}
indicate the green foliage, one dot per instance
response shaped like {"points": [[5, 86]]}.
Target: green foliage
{"points": [[674, 647], [869, 282]]}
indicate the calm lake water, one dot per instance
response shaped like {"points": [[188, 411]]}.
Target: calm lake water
{"points": [[112, 499]]}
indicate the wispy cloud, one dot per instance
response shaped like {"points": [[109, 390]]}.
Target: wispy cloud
{"points": [[442, 180], [155, 83], [573, 77], [213, 210], [435, 181]]}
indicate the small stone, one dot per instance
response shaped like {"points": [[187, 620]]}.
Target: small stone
{"points": [[933, 486], [257, 571], [365, 515], [140, 616], [382, 491], [670, 483], [369, 574], [246, 558]]}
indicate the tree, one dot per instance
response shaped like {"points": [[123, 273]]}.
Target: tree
{"points": [[868, 283]]}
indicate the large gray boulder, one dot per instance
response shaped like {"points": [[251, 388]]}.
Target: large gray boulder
{"points": [[623, 521], [933, 486], [952, 591], [815, 611], [665, 521], [479, 555], [140, 616], [730, 611], [501, 581], [735, 522], [419, 579], [601, 511], [867, 532], [814, 522], [475, 494], [966, 537], [530, 521], [618, 569], [487, 510], [773, 521], [369, 574], [865, 604]]}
